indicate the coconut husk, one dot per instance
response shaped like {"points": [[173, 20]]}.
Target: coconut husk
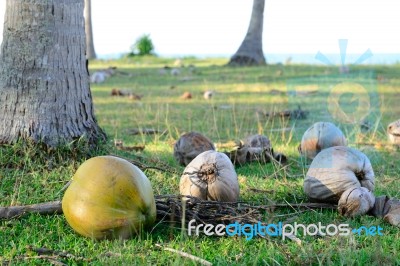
{"points": [[335, 170], [355, 202], [320, 136], [189, 145], [210, 176], [255, 148], [393, 132], [388, 209]]}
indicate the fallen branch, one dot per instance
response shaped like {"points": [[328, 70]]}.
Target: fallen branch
{"points": [[170, 209], [46, 208], [186, 255]]}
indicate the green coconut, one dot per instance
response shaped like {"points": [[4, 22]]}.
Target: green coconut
{"points": [[109, 198]]}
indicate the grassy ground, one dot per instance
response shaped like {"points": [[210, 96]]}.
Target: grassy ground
{"points": [[28, 176]]}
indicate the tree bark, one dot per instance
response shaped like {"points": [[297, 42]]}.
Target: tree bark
{"points": [[44, 83], [250, 51], [90, 52]]}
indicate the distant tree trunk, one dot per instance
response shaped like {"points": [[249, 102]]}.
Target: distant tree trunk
{"points": [[90, 52], [250, 51], [44, 83]]}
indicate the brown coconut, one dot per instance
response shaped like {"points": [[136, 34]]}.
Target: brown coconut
{"points": [[393, 132], [190, 145], [255, 148], [320, 136], [335, 170], [210, 176]]}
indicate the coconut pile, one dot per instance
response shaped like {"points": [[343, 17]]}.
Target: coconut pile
{"points": [[110, 197], [337, 174], [211, 175], [343, 175]]}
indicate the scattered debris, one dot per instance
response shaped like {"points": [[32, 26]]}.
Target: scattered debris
{"points": [[178, 63], [130, 95], [164, 70], [144, 131], [100, 76], [186, 95], [175, 72], [291, 114], [393, 132], [117, 92], [276, 92], [185, 79], [186, 255], [208, 94], [303, 93], [253, 189], [61, 254], [118, 143], [255, 148], [134, 96]]}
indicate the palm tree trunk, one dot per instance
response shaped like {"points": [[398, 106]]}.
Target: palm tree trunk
{"points": [[44, 83], [90, 52], [250, 51]]}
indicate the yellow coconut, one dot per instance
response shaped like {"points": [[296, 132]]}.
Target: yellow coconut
{"points": [[109, 198]]}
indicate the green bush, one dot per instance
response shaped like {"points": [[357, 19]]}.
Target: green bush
{"points": [[142, 46]]}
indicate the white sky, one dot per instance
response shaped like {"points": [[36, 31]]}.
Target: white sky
{"points": [[195, 27]]}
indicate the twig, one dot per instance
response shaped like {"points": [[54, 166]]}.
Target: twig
{"points": [[53, 256], [61, 254], [145, 131], [186, 255], [260, 190], [52, 259]]}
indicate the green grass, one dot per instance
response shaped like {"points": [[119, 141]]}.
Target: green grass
{"points": [[29, 176]]}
